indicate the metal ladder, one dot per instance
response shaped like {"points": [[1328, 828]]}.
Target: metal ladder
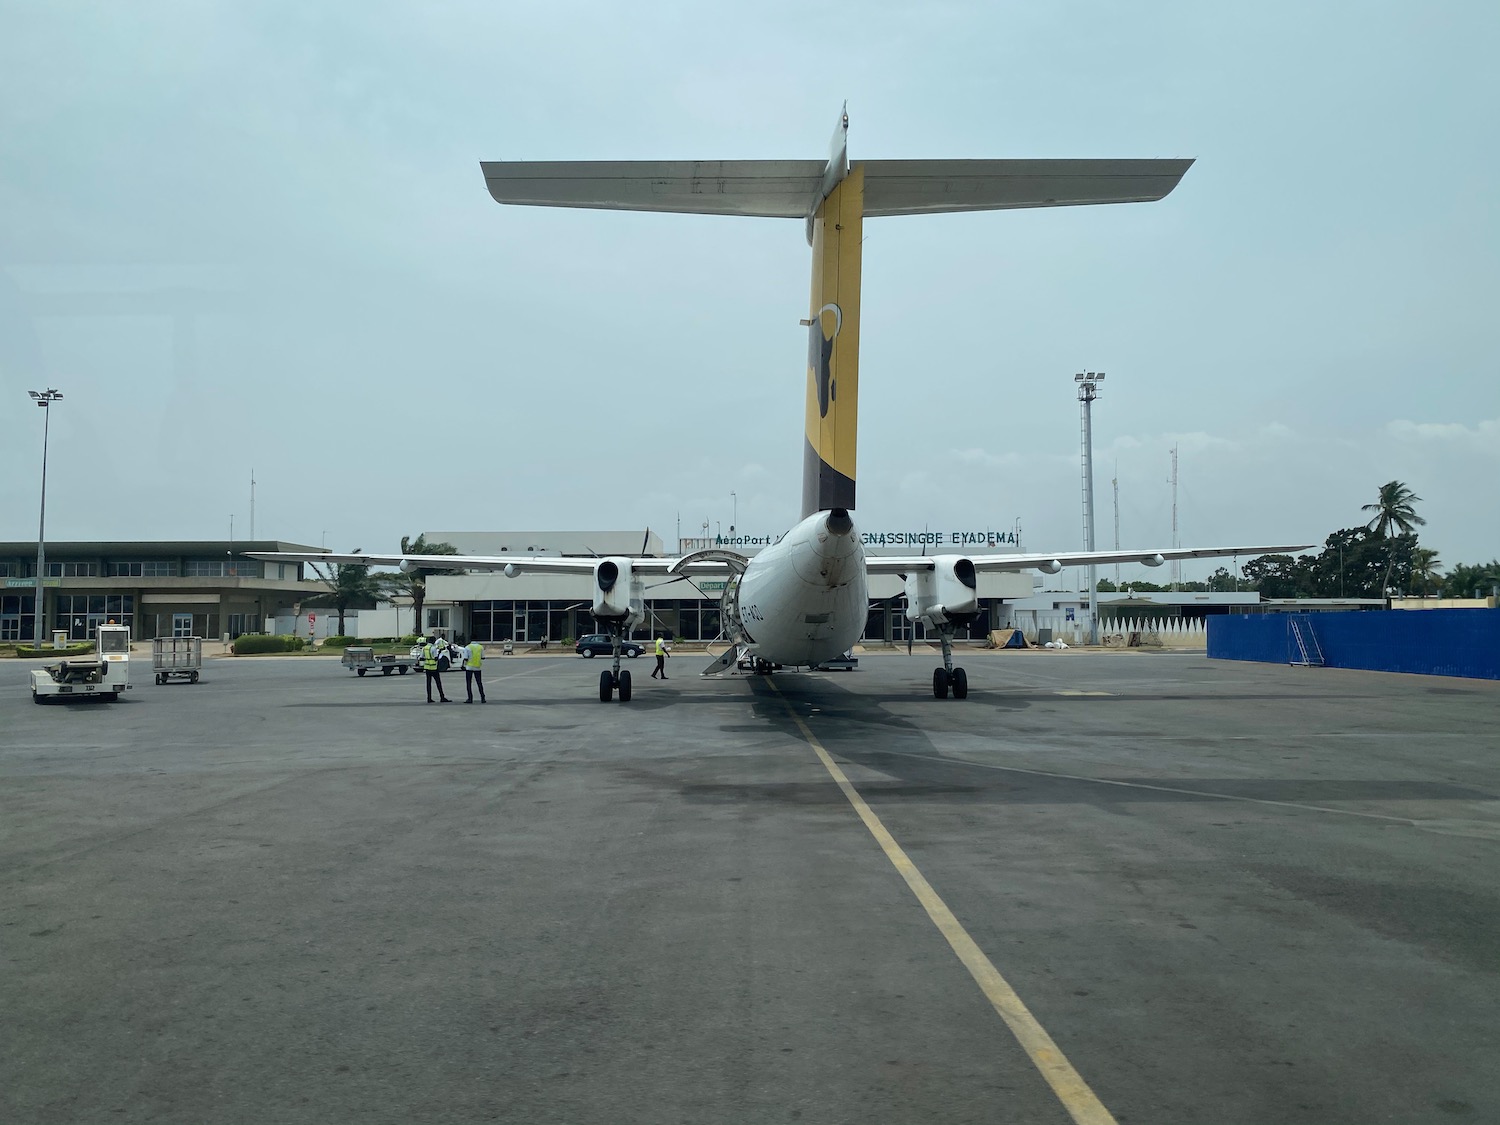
{"points": [[1302, 645]]}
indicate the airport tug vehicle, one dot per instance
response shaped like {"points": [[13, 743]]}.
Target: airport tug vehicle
{"points": [[104, 675]]}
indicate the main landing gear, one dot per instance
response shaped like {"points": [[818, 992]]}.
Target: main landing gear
{"points": [[948, 676], [614, 679]]}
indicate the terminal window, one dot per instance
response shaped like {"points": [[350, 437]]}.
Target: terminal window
{"points": [[145, 568]]}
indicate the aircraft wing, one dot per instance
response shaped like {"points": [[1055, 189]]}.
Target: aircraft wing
{"points": [[514, 564], [1051, 564]]}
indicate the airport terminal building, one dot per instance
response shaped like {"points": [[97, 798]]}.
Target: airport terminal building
{"points": [[553, 607], [213, 589], [158, 589]]}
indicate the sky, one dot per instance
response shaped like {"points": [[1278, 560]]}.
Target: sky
{"points": [[253, 238]]}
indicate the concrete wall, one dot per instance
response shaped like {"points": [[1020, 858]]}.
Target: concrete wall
{"points": [[1438, 642]]}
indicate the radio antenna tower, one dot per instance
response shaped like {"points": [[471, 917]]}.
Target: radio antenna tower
{"points": [[252, 503], [1088, 390], [1176, 566], [1115, 483]]}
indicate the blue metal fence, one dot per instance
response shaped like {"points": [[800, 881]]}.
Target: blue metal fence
{"points": [[1431, 642]]}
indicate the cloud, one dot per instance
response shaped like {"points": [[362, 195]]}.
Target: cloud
{"points": [[1481, 438]]}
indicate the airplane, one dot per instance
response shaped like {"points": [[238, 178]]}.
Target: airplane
{"points": [[804, 600]]}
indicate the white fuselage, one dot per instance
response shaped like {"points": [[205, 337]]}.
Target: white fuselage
{"points": [[805, 599]]}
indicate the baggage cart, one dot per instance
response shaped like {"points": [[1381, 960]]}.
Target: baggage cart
{"points": [[360, 659], [181, 657]]}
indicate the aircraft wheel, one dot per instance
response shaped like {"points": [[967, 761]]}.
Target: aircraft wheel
{"points": [[940, 683], [624, 687], [588, 653], [606, 685], [960, 684]]}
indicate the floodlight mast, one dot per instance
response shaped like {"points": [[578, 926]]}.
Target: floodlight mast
{"points": [[44, 399], [1088, 390]]}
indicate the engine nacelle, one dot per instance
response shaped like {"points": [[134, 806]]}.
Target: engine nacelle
{"points": [[613, 579], [946, 594]]}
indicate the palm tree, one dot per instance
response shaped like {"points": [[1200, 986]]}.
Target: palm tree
{"points": [[1425, 566], [1393, 509], [414, 583], [349, 585]]}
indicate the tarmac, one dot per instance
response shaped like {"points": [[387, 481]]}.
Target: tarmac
{"points": [[1122, 887]]}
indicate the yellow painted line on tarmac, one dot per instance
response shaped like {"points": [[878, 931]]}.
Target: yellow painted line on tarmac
{"points": [[1077, 1098]]}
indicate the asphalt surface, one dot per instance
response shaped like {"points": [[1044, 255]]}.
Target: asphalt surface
{"points": [[1229, 892]]}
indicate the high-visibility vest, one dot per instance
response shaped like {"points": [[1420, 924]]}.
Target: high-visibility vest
{"points": [[661, 647], [429, 658], [476, 655]]}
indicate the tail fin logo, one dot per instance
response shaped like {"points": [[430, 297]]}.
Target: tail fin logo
{"points": [[820, 337]]}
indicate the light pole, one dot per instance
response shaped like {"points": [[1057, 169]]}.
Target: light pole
{"points": [[1088, 390], [44, 399], [734, 517]]}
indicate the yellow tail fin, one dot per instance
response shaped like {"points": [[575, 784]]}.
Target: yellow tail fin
{"points": [[828, 466]]}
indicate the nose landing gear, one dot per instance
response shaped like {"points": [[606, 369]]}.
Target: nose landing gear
{"points": [[613, 679], [948, 677]]}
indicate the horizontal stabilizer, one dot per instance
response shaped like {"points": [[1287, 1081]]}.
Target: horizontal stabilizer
{"points": [[791, 189], [929, 187], [782, 189]]}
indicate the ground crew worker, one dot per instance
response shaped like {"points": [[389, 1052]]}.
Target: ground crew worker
{"points": [[430, 665], [661, 659], [473, 657]]}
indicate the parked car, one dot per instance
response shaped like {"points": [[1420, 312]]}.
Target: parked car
{"points": [[599, 644]]}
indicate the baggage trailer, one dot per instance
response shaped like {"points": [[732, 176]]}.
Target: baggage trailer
{"points": [[104, 675], [360, 659], [177, 656]]}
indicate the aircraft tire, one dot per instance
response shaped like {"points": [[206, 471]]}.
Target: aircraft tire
{"points": [[606, 685], [960, 684], [624, 687], [940, 683]]}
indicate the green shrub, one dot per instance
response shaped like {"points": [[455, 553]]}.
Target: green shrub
{"points": [[83, 648], [261, 642], [409, 639], [340, 642]]}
